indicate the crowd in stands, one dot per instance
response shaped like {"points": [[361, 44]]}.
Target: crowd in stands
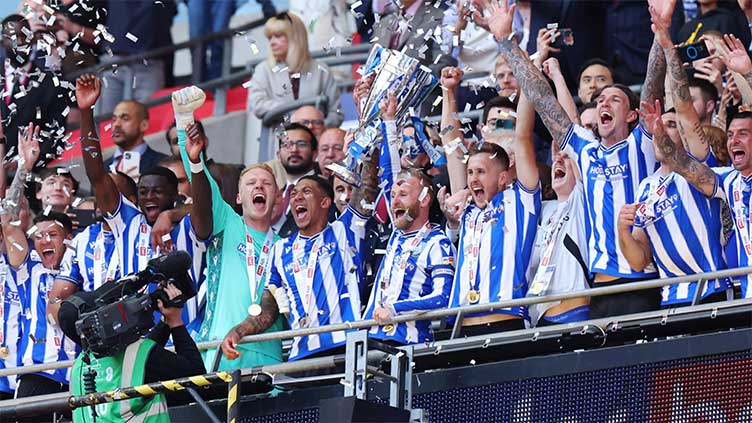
{"points": [[606, 154]]}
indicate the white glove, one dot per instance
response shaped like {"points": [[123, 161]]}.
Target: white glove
{"points": [[184, 103]]}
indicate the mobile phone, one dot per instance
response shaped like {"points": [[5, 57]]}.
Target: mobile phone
{"points": [[83, 217], [131, 164], [565, 38], [693, 52]]}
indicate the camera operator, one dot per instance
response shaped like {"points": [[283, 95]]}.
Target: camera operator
{"points": [[144, 361]]}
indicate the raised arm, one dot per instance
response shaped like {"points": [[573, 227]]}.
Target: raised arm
{"points": [[674, 156], [552, 70], [531, 80], [365, 194], [735, 57], [653, 89], [16, 244], [87, 92], [451, 136], [191, 144], [524, 153], [690, 126]]}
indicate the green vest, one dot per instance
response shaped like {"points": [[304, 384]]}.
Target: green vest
{"points": [[121, 371]]}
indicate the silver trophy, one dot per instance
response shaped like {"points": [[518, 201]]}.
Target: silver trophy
{"points": [[395, 72]]}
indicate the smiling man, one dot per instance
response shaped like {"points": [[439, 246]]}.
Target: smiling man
{"points": [[417, 271], [130, 120], [132, 223], [240, 252]]}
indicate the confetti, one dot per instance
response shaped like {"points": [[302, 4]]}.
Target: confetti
{"points": [[131, 37]]}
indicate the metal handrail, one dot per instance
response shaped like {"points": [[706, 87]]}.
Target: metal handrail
{"points": [[437, 314]]}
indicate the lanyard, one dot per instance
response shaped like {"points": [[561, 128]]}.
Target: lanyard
{"points": [[741, 217], [545, 272], [99, 252], [298, 249], [255, 271], [647, 208], [472, 248], [388, 289]]}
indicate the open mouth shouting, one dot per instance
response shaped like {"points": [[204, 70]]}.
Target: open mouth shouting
{"points": [[606, 118], [738, 156], [301, 211], [48, 254], [259, 202], [560, 171]]}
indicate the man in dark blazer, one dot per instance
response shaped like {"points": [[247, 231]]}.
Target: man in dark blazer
{"points": [[130, 120], [30, 94]]}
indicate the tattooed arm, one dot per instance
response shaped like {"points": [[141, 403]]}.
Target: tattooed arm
{"points": [[690, 127], [536, 88], [674, 156], [654, 80], [251, 325], [16, 243]]}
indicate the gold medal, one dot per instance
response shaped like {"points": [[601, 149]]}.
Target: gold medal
{"points": [[4, 353], [254, 309], [388, 329], [473, 296], [303, 322]]}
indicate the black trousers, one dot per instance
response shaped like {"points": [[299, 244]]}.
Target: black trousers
{"points": [[31, 385], [624, 303]]}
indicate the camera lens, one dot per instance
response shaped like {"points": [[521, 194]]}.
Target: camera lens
{"points": [[692, 52]]}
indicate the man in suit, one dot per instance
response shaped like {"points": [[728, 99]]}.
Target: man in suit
{"points": [[130, 120], [29, 93]]}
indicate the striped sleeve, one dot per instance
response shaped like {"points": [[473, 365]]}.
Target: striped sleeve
{"points": [[440, 270], [575, 140]]}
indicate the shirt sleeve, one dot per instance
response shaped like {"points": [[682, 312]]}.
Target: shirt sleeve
{"points": [[354, 225], [185, 361], [124, 212], [575, 140], [440, 269], [274, 279], [70, 270], [389, 158], [221, 211]]}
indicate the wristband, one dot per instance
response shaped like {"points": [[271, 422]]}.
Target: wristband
{"points": [[196, 167]]}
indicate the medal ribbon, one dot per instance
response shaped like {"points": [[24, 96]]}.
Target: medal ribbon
{"points": [[298, 249], [473, 252], [741, 216], [387, 289], [255, 272], [98, 262], [542, 278]]}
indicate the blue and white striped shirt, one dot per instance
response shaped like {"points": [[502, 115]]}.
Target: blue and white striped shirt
{"points": [[425, 285], [740, 211], [335, 291], [133, 244], [506, 243], [685, 231], [40, 342], [79, 262], [10, 321], [611, 177]]}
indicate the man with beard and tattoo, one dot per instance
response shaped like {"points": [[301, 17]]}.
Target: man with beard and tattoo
{"points": [[417, 271], [315, 274], [733, 184], [495, 218], [612, 166], [240, 251], [298, 147], [133, 224], [674, 224]]}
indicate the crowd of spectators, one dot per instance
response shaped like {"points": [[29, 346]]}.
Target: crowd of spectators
{"points": [[605, 154]]}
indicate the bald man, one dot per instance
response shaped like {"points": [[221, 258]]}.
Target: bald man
{"points": [[331, 149], [310, 117]]}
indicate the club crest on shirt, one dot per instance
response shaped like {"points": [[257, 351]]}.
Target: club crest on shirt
{"points": [[610, 173]]}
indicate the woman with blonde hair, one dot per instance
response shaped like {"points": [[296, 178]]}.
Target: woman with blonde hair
{"points": [[290, 73]]}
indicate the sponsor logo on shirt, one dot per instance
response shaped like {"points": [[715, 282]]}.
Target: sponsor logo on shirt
{"points": [[611, 173]]}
